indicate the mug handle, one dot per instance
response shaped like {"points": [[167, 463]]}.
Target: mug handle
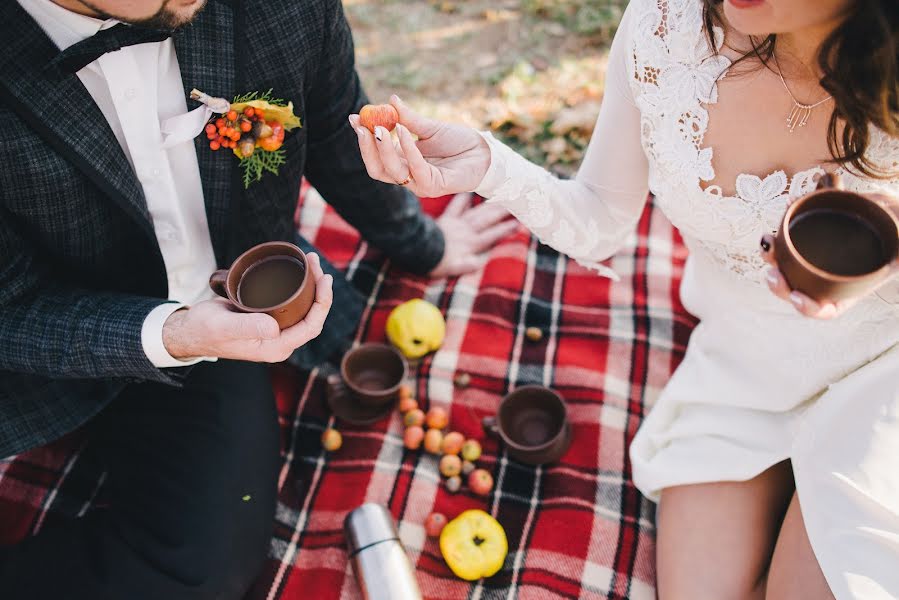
{"points": [[219, 282], [490, 426], [830, 181]]}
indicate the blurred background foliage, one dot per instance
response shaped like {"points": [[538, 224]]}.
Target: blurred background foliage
{"points": [[530, 70]]}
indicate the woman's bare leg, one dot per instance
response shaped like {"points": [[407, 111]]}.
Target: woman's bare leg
{"points": [[795, 572], [715, 540]]}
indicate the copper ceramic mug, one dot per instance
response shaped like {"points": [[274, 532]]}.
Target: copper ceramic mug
{"points": [[533, 423], [834, 244], [271, 278]]}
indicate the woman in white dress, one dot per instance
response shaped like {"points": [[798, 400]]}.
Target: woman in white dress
{"points": [[774, 449]]}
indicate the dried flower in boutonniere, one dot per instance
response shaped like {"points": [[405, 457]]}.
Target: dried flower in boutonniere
{"points": [[253, 128]]}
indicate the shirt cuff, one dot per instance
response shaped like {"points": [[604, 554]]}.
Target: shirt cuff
{"points": [[496, 172], [151, 338]]}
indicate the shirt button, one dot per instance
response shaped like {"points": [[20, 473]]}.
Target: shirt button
{"points": [[130, 93], [156, 172]]}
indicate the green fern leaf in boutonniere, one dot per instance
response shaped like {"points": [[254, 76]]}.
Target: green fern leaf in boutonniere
{"points": [[253, 128]]}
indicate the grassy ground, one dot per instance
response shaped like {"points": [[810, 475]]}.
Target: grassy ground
{"points": [[530, 69]]}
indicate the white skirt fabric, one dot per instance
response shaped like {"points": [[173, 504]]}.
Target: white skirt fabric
{"points": [[760, 384]]}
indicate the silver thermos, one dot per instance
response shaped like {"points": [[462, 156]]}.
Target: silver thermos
{"points": [[380, 562]]}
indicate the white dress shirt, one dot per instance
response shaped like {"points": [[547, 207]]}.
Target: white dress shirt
{"points": [[137, 88]]}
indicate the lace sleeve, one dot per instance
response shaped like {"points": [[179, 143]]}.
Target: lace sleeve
{"points": [[589, 217]]}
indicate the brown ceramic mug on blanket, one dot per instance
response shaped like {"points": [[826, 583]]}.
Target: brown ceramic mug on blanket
{"points": [[271, 278], [533, 423]]}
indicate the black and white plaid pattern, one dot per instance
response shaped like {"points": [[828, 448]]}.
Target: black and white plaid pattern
{"points": [[81, 267]]}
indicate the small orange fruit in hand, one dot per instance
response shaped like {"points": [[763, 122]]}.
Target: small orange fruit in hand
{"points": [[452, 443], [471, 450], [408, 404], [480, 482], [374, 115], [437, 418], [332, 440], [433, 441], [413, 418], [434, 524], [413, 437], [450, 465]]}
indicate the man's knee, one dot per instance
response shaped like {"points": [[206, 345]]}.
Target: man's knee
{"points": [[221, 556]]}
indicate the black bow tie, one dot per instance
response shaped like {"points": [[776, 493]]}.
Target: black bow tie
{"points": [[76, 57]]}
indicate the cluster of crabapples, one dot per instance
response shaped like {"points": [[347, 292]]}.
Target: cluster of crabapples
{"points": [[457, 455], [245, 132]]}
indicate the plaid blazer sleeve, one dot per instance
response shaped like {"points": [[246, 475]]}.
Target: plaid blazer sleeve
{"points": [[59, 332], [387, 216]]}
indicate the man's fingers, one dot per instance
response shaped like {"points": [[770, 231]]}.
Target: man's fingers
{"points": [[255, 326], [485, 215], [421, 126], [315, 265], [489, 237], [471, 263], [394, 165], [311, 326], [370, 155], [458, 205]]}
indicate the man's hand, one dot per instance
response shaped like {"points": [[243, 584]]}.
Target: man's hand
{"points": [[214, 328], [468, 234]]}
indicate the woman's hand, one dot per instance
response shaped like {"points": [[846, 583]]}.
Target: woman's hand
{"points": [[446, 158], [823, 309]]}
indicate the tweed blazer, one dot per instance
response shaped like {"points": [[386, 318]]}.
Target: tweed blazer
{"points": [[80, 267]]}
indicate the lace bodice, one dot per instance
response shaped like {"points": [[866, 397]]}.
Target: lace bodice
{"points": [[662, 75]]}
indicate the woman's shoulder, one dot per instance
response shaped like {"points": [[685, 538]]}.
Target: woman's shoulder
{"points": [[662, 17]]}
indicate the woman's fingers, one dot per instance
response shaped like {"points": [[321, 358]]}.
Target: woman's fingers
{"points": [[395, 166], [777, 284], [766, 248], [421, 170], [371, 155], [421, 126]]}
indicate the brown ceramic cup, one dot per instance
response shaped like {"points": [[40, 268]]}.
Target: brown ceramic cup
{"points": [[876, 212], [227, 282], [373, 373], [533, 423]]}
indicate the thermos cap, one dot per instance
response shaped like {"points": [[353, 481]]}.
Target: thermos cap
{"points": [[369, 524]]}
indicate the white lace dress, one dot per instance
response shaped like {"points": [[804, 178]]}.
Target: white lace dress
{"points": [[759, 382]]}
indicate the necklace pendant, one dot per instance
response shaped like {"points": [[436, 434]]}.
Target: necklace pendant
{"points": [[798, 116]]}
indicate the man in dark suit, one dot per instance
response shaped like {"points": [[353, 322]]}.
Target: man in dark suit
{"points": [[107, 236]]}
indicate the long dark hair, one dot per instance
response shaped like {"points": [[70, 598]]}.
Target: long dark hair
{"points": [[860, 62]]}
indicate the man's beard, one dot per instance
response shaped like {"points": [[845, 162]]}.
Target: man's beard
{"points": [[165, 18]]}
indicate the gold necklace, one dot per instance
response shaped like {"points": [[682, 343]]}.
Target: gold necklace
{"points": [[799, 112]]}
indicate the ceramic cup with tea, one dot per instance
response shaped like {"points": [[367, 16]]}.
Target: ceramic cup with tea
{"points": [[533, 423], [271, 278], [834, 244]]}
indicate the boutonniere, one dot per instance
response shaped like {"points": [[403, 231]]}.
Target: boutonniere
{"points": [[252, 126]]}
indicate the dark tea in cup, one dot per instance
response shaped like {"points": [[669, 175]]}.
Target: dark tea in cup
{"points": [[270, 282]]}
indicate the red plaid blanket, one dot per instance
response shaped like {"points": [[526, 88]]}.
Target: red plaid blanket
{"points": [[577, 529]]}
